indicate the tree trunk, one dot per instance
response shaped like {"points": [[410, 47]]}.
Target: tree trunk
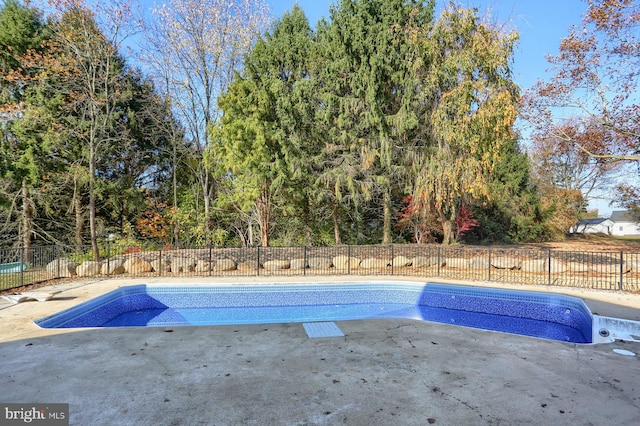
{"points": [[308, 233], [250, 234], [92, 204], [77, 208], [386, 228], [26, 221], [205, 179], [448, 222], [447, 232], [174, 166], [336, 227], [208, 223], [263, 208]]}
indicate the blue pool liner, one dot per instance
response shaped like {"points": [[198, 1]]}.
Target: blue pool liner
{"points": [[544, 315]]}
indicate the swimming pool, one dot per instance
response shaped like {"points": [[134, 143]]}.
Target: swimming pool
{"points": [[544, 315]]}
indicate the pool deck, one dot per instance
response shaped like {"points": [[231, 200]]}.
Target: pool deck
{"points": [[387, 371]]}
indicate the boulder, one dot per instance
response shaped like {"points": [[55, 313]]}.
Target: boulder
{"points": [[581, 267], [372, 263], [183, 264], [161, 266], [223, 265], [112, 267], [420, 262], [274, 265], [345, 262], [534, 265], [503, 262], [340, 262], [434, 260], [88, 268], [250, 266], [606, 268], [456, 262], [319, 262], [203, 266], [137, 265], [401, 262], [558, 266], [479, 262], [632, 265], [298, 264], [62, 268]]}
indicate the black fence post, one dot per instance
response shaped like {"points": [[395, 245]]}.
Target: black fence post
{"points": [[548, 267], [108, 256], [621, 284], [349, 260], [439, 261], [210, 258], [304, 260], [489, 267], [57, 261], [21, 268], [160, 265], [392, 256], [258, 263]]}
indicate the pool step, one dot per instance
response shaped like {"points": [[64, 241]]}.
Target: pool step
{"points": [[322, 329]]}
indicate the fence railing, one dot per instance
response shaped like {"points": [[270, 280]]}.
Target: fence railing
{"points": [[593, 270]]}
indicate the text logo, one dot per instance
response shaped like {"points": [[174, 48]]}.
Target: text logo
{"points": [[34, 414]]}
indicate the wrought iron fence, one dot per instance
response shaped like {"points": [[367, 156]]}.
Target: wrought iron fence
{"points": [[593, 270]]}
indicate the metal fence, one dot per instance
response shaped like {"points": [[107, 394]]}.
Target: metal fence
{"points": [[593, 270]]}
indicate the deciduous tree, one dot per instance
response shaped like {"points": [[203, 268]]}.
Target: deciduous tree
{"points": [[195, 47], [594, 85], [561, 162], [466, 81]]}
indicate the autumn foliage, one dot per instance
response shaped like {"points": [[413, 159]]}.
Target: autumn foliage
{"points": [[422, 221], [156, 221]]}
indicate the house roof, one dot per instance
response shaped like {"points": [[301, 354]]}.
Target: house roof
{"points": [[622, 216], [596, 221]]}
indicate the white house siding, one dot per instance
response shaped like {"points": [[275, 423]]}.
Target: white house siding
{"points": [[593, 226], [624, 224], [621, 229]]}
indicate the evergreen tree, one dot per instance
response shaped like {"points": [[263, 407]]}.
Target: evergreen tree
{"points": [[22, 155], [261, 138], [372, 108], [513, 212]]}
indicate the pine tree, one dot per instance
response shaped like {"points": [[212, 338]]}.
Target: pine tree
{"points": [[372, 108], [261, 137], [21, 154]]}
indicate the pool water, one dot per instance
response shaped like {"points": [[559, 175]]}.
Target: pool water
{"points": [[549, 316]]}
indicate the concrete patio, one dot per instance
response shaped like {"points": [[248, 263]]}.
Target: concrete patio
{"points": [[388, 371]]}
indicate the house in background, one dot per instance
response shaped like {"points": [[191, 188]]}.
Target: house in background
{"points": [[619, 224], [624, 224], [601, 225]]}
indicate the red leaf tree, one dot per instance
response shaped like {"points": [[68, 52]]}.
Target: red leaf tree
{"points": [[422, 221]]}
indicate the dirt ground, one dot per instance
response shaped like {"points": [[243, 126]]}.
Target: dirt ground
{"points": [[587, 242]]}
